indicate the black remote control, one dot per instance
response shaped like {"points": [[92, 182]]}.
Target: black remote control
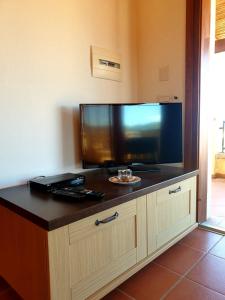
{"points": [[92, 194], [77, 193], [67, 193]]}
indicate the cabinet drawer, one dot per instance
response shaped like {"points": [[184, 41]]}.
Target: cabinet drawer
{"points": [[170, 211], [99, 252], [175, 209], [87, 254], [86, 227], [174, 190]]}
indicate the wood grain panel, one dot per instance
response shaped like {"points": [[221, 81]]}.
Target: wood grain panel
{"points": [[24, 256], [192, 83], [151, 223], [199, 38], [169, 214], [193, 200], [58, 241], [141, 228], [86, 288], [98, 254], [175, 210], [86, 227], [124, 276], [207, 48], [98, 250], [220, 19]]}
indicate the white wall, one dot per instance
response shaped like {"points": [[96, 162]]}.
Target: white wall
{"points": [[45, 74], [161, 39]]}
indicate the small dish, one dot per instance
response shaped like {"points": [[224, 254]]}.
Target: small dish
{"points": [[132, 180]]}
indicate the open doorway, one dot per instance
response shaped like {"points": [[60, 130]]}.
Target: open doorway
{"points": [[199, 149], [215, 217], [216, 188]]}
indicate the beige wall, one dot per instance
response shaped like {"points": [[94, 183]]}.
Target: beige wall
{"points": [[161, 39], [45, 74]]}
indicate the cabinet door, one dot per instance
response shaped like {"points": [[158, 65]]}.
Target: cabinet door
{"points": [[99, 248], [170, 211], [100, 253]]}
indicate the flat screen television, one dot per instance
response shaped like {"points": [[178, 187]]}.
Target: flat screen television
{"points": [[125, 134]]}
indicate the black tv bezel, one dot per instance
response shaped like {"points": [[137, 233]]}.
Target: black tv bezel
{"points": [[87, 165]]}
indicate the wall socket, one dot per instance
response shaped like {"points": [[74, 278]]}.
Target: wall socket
{"points": [[165, 98]]}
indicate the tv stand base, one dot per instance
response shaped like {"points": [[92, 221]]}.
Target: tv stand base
{"points": [[144, 168], [134, 168]]}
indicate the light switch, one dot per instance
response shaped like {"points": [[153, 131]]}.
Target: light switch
{"points": [[164, 73]]}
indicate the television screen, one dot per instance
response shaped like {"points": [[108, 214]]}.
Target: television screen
{"points": [[123, 134]]}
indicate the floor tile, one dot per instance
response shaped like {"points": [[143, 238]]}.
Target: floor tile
{"points": [[189, 290], [219, 249], [179, 258], [150, 283], [210, 272], [218, 210], [213, 221], [201, 239], [217, 204], [222, 223], [3, 285], [116, 295]]}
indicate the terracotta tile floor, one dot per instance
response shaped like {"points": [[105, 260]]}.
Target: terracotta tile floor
{"points": [[217, 205], [218, 198], [193, 269]]}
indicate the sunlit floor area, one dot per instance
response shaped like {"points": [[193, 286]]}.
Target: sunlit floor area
{"points": [[216, 201], [217, 205]]}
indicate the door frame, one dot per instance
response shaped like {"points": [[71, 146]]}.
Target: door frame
{"points": [[195, 140]]}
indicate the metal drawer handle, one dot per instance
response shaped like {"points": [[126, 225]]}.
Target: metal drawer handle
{"points": [[107, 220], [175, 191]]}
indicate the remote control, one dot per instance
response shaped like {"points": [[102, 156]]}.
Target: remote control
{"points": [[77, 193], [67, 193], [91, 193]]}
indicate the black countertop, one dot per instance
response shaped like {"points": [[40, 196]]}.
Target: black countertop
{"points": [[51, 213]]}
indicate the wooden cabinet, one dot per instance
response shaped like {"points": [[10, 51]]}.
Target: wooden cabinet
{"points": [[170, 211], [90, 257], [88, 254]]}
